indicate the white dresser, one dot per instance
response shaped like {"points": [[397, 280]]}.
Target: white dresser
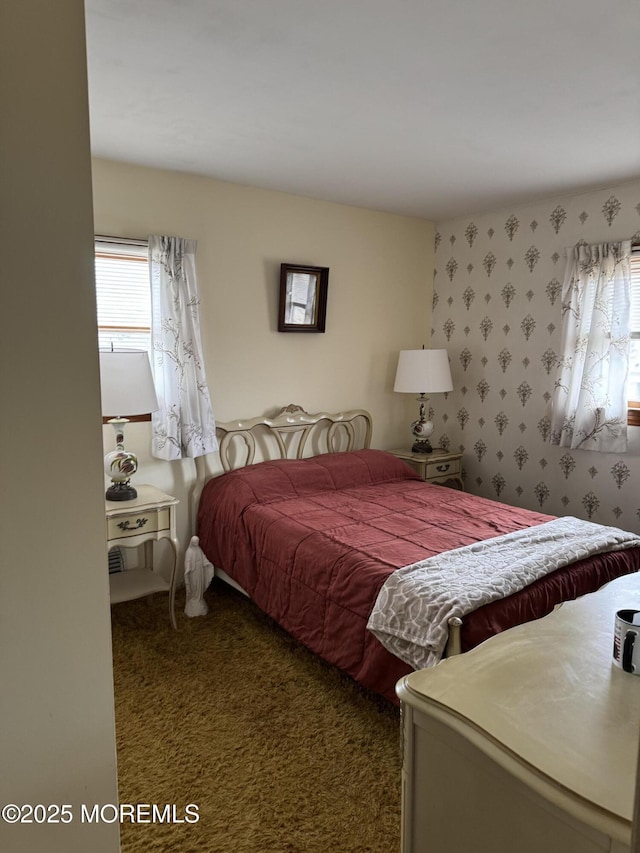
{"points": [[527, 743]]}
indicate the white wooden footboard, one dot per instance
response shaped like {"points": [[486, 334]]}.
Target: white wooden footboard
{"points": [[454, 643]]}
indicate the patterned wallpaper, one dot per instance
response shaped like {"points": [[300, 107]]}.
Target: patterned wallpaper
{"points": [[497, 310]]}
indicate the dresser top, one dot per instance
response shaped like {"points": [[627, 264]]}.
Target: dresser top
{"points": [[547, 696]]}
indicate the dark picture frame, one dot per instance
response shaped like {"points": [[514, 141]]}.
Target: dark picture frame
{"points": [[303, 298]]}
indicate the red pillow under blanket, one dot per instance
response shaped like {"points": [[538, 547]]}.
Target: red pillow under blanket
{"points": [[313, 540]]}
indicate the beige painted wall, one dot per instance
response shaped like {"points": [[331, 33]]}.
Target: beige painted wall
{"points": [[379, 301], [57, 741]]}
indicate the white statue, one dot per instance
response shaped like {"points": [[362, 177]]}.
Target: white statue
{"points": [[198, 574]]}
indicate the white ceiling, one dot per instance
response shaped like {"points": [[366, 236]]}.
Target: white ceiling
{"points": [[432, 108]]}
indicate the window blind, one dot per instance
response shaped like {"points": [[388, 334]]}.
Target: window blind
{"points": [[635, 294], [123, 295], [633, 383]]}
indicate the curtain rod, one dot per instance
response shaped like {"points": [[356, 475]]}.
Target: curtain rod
{"points": [[136, 241], [132, 240]]}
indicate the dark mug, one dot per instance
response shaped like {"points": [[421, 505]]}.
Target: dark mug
{"points": [[626, 643]]}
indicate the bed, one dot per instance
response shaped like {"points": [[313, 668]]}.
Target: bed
{"points": [[310, 523]]}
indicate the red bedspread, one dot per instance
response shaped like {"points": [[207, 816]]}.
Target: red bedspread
{"points": [[312, 541]]}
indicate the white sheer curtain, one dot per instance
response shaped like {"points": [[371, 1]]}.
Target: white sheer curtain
{"points": [[590, 399], [184, 424]]}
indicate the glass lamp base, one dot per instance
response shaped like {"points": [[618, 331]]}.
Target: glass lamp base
{"points": [[422, 429], [120, 465]]}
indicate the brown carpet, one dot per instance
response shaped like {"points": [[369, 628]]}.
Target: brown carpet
{"points": [[279, 751]]}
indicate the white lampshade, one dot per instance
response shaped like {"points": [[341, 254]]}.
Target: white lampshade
{"points": [[126, 384], [423, 371]]}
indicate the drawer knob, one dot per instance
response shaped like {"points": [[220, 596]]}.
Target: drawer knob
{"points": [[125, 525], [443, 468]]}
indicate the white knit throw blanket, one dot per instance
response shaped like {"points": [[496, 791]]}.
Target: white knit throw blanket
{"points": [[413, 607]]}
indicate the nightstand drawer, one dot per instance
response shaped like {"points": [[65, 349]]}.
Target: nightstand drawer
{"points": [[137, 523], [442, 469]]}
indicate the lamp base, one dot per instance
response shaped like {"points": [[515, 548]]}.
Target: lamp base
{"points": [[422, 445], [120, 492]]}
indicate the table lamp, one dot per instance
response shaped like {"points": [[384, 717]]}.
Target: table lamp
{"points": [[423, 371], [127, 390]]}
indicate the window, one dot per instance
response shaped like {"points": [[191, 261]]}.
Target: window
{"points": [[123, 295], [634, 350]]}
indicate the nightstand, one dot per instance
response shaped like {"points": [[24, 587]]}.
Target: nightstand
{"points": [[142, 521], [440, 466]]}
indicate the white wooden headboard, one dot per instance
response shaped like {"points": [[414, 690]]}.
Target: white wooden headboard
{"points": [[290, 434]]}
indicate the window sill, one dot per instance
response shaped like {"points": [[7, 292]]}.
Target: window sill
{"points": [[136, 419]]}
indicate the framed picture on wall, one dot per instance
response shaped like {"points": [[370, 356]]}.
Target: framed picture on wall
{"points": [[303, 298]]}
